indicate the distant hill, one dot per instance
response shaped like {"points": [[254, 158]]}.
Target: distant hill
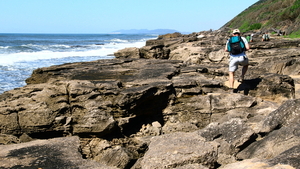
{"points": [[145, 31], [267, 15]]}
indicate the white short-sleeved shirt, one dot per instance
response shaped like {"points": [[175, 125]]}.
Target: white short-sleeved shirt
{"points": [[240, 54]]}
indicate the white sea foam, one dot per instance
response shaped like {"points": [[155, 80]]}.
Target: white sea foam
{"points": [[97, 50], [21, 54], [118, 40]]}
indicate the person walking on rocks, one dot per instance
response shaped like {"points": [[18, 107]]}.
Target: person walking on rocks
{"points": [[236, 46], [265, 37]]}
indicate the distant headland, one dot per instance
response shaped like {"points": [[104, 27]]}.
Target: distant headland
{"points": [[142, 31]]}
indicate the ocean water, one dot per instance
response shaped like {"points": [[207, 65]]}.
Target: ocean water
{"points": [[20, 54]]}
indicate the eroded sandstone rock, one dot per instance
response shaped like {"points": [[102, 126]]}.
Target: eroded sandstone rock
{"points": [[53, 153], [172, 109]]}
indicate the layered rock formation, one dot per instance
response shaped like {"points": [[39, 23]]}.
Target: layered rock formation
{"points": [[165, 105]]}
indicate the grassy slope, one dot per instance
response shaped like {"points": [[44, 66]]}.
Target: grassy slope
{"points": [[268, 14]]}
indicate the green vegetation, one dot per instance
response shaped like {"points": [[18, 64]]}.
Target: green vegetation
{"points": [[295, 34], [270, 14], [244, 27], [255, 26], [248, 27], [291, 12]]}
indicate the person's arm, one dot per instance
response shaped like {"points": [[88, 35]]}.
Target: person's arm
{"points": [[247, 46], [226, 48]]}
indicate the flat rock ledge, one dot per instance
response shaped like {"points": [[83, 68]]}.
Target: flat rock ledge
{"points": [[156, 113]]}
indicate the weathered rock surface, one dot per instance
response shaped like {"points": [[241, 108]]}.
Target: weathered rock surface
{"points": [[284, 124], [172, 151], [53, 153], [170, 110], [256, 164]]}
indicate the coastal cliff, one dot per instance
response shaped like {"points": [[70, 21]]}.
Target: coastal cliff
{"points": [[165, 105]]}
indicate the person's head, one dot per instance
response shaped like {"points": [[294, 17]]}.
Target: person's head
{"points": [[236, 32]]}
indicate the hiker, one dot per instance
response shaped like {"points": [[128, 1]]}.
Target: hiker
{"points": [[248, 37], [265, 37], [251, 37], [237, 46]]}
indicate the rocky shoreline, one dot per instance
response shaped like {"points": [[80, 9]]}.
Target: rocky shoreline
{"points": [[165, 105]]}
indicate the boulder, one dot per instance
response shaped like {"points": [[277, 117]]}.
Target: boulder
{"points": [[279, 132], [128, 53], [179, 150]]}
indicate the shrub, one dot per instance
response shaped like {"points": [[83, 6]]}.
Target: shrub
{"points": [[255, 26]]}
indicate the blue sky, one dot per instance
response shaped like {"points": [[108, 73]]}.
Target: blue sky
{"points": [[104, 16]]}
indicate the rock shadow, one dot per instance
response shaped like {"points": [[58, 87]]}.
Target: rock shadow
{"points": [[247, 85], [148, 109]]}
